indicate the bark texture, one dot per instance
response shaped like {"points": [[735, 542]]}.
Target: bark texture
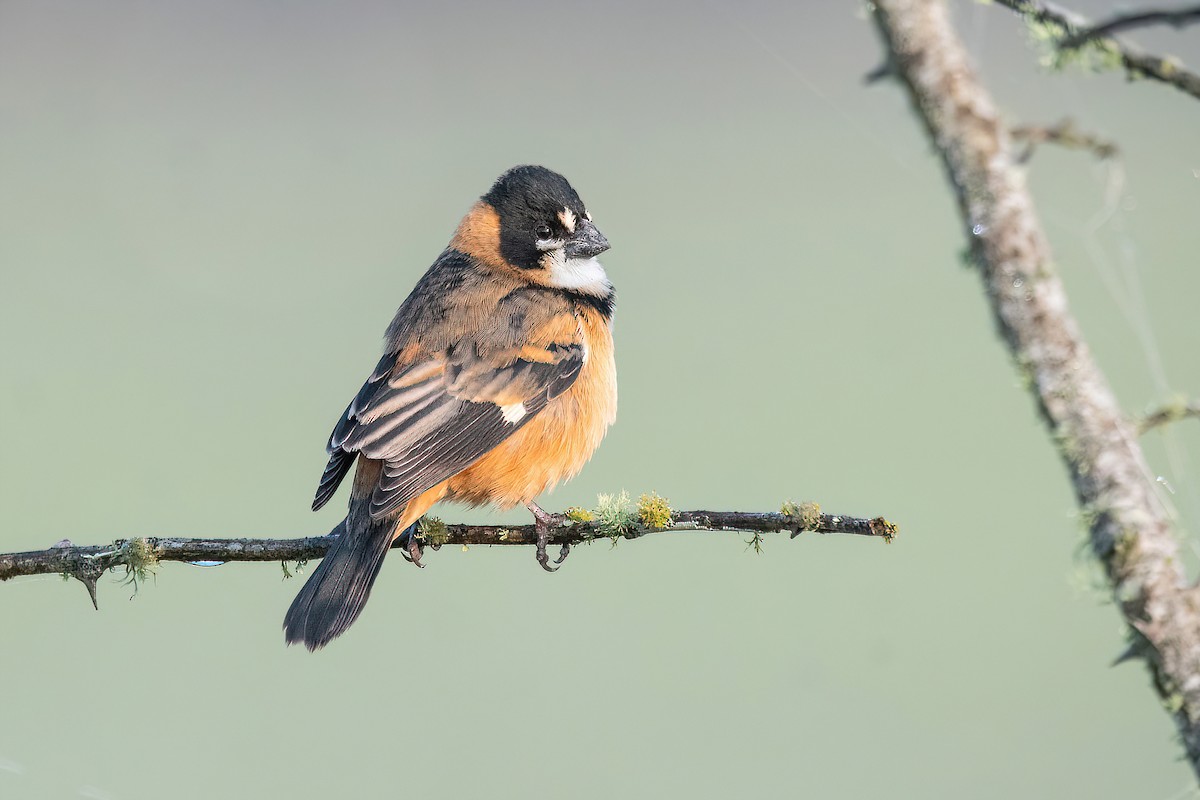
{"points": [[88, 563], [1129, 529]]}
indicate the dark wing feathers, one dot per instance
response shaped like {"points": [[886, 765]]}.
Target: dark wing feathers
{"points": [[572, 364], [339, 464], [460, 431], [430, 419], [450, 448], [335, 594]]}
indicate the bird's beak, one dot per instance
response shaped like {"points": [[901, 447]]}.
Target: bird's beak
{"points": [[586, 242]]}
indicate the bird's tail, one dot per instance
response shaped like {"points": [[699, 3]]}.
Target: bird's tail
{"points": [[336, 592]]}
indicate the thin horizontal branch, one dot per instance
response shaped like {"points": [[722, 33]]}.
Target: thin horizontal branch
{"points": [[1173, 412], [88, 563], [1121, 23], [1136, 63]]}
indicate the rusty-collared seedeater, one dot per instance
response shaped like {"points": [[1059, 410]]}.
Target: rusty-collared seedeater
{"points": [[497, 382]]}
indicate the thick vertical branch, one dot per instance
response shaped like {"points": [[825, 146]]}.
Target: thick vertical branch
{"points": [[1128, 526]]}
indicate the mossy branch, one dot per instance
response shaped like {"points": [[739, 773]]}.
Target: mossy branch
{"points": [[139, 555], [1074, 39]]}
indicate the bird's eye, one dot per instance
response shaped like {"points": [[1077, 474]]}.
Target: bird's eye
{"points": [[543, 232]]}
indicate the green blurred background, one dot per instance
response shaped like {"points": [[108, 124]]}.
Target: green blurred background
{"points": [[208, 214]]}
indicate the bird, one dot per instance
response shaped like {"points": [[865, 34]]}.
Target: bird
{"points": [[498, 381]]}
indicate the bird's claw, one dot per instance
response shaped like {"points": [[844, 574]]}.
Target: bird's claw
{"points": [[414, 552], [412, 548], [543, 522], [544, 559]]}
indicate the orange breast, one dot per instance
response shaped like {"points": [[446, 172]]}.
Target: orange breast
{"points": [[555, 444]]}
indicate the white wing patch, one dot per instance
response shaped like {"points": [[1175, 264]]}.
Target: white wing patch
{"points": [[513, 413]]}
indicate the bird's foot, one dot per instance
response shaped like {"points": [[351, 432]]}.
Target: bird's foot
{"points": [[544, 521], [411, 546]]}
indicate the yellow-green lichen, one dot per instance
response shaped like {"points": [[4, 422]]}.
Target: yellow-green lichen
{"points": [[1174, 410], [577, 514], [755, 541], [140, 559], [807, 516], [1126, 552], [1094, 55], [1025, 374], [654, 511], [884, 528], [614, 518], [1089, 516], [1071, 448], [433, 531]]}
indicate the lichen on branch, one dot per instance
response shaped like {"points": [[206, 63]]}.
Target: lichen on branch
{"points": [[615, 517]]}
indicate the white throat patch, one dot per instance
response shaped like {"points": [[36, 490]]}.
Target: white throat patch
{"points": [[578, 274]]}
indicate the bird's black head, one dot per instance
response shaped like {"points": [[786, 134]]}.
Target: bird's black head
{"points": [[545, 226]]}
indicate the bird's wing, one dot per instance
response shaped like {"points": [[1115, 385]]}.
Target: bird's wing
{"points": [[431, 417]]}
